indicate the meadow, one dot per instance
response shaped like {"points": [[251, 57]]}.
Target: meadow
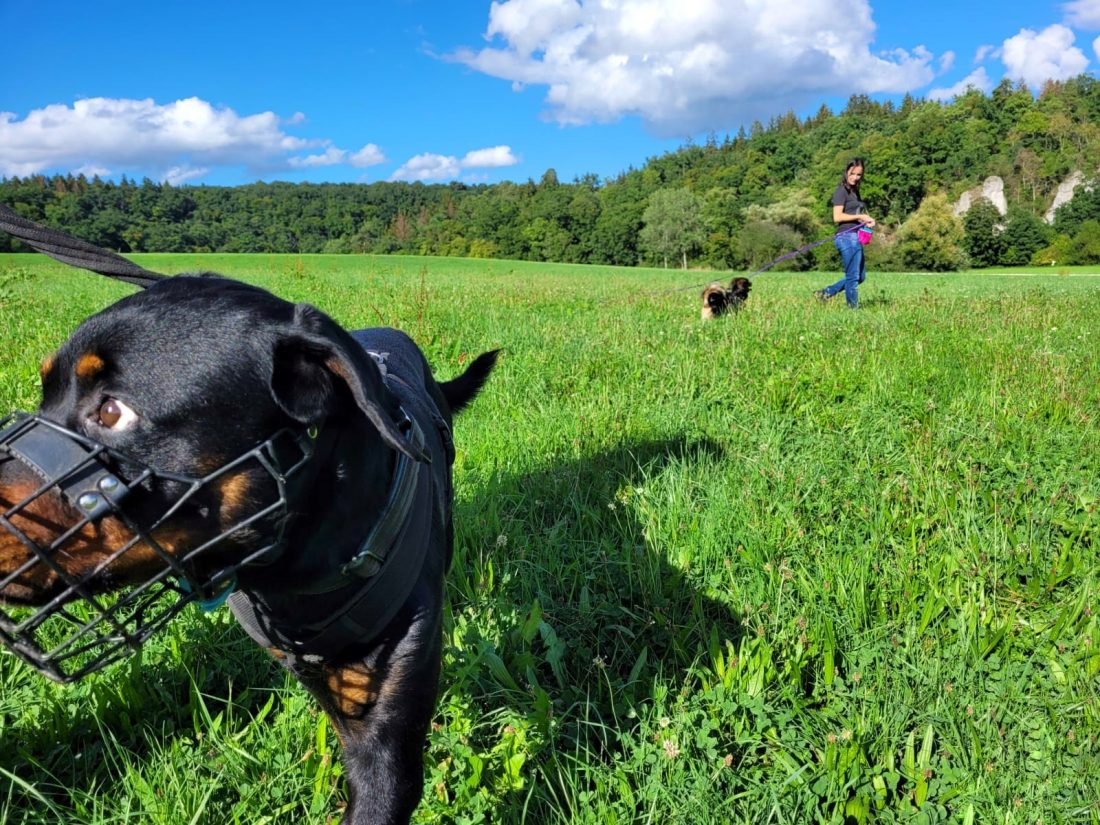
{"points": [[797, 565]]}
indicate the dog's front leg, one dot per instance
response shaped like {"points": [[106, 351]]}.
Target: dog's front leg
{"points": [[381, 706]]}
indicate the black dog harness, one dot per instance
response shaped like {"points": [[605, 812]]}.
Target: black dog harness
{"points": [[365, 592]]}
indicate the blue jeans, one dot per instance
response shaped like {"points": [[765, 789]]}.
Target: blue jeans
{"points": [[855, 269]]}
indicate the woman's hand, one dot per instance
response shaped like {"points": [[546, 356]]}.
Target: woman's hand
{"points": [[866, 220]]}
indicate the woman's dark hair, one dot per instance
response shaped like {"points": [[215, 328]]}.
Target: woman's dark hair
{"points": [[844, 178]]}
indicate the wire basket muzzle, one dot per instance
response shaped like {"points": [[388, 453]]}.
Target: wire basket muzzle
{"points": [[98, 551]]}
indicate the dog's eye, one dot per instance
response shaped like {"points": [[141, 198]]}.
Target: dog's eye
{"points": [[114, 415]]}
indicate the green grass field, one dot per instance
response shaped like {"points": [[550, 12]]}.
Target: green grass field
{"points": [[799, 565]]}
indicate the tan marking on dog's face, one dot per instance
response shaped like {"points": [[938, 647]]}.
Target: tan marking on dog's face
{"points": [[88, 366], [47, 365], [45, 519], [13, 553], [233, 493], [352, 688], [207, 463]]}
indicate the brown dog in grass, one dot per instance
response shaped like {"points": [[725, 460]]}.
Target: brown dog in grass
{"points": [[718, 300]]}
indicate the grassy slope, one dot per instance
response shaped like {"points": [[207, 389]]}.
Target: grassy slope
{"points": [[792, 566]]}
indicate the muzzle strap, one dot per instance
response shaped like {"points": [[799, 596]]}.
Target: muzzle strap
{"points": [[59, 460]]}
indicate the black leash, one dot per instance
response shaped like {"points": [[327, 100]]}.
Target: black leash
{"points": [[770, 264], [75, 252]]}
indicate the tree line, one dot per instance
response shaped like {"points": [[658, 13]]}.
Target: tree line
{"points": [[734, 203]]}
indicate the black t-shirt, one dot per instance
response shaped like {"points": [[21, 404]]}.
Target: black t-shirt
{"points": [[852, 205]]}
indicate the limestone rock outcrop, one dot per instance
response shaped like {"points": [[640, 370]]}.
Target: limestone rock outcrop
{"points": [[992, 189], [1064, 194]]}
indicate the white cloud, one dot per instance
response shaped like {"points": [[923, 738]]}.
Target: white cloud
{"points": [[176, 141], [687, 66], [947, 60], [181, 174], [369, 155], [90, 170], [985, 51], [1096, 47], [492, 158], [977, 79], [1035, 57], [330, 157], [1084, 14], [429, 166]]}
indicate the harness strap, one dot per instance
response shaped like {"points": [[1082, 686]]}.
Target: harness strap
{"points": [[358, 617], [374, 583], [380, 541]]}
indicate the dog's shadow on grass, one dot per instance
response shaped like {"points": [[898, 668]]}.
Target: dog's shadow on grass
{"points": [[564, 602], [561, 607]]}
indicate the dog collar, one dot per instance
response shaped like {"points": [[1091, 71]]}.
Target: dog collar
{"points": [[376, 547], [378, 544], [386, 566]]}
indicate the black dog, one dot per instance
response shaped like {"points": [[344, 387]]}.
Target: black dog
{"points": [[224, 435], [718, 300]]}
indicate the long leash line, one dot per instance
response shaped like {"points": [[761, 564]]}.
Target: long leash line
{"points": [[84, 255], [75, 252], [770, 264]]}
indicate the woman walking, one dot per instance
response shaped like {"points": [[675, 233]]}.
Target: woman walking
{"points": [[849, 214]]}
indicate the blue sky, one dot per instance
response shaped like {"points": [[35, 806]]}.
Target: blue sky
{"points": [[438, 90]]}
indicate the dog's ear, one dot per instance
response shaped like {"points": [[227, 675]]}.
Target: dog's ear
{"points": [[312, 357]]}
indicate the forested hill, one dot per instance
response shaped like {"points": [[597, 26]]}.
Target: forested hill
{"points": [[729, 203]]}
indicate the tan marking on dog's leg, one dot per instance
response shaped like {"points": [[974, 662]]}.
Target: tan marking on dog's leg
{"points": [[352, 688]]}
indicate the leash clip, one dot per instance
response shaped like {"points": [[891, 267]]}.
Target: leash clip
{"points": [[213, 603]]}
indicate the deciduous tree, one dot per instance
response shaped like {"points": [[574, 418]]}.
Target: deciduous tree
{"points": [[931, 239], [672, 225]]}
